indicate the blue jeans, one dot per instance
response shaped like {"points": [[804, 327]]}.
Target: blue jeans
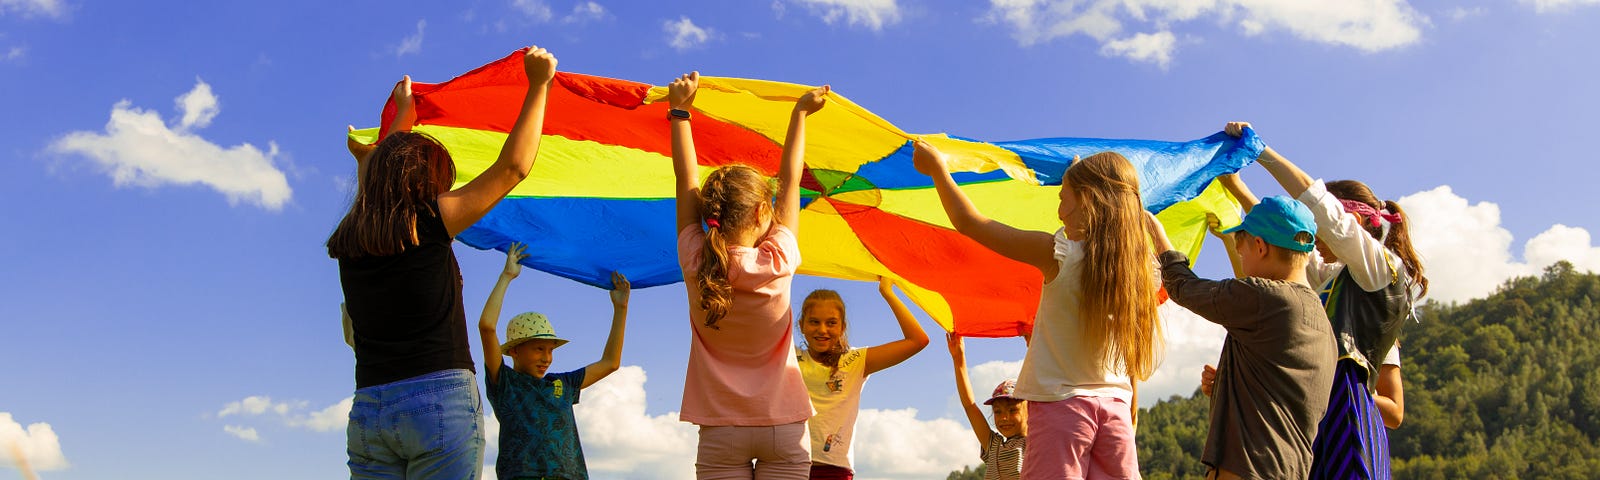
{"points": [[428, 426]]}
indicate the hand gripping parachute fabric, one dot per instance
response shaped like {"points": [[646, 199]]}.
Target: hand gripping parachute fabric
{"points": [[600, 196]]}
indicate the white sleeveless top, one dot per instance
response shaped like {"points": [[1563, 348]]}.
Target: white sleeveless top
{"points": [[1060, 364]]}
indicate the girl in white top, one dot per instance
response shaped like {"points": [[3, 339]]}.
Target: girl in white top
{"points": [[1095, 330], [834, 373]]}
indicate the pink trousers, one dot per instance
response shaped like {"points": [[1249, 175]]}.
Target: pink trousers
{"points": [[1080, 438]]}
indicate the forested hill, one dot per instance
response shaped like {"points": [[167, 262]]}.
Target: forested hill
{"points": [[1502, 387]]}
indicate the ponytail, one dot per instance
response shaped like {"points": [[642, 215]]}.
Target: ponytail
{"points": [[1399, 242], [1398, 239], [715, 291], [730, 201]]}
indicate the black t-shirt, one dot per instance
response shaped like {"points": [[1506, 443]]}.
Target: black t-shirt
{"points": [[406, 308]]}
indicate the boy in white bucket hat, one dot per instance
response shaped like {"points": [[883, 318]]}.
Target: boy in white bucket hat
{"points": [[538, 434]]}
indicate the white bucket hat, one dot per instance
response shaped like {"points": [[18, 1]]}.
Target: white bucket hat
{"points": [[529, 326]]}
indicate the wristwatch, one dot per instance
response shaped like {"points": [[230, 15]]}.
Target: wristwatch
{"points": [[678, 113]]}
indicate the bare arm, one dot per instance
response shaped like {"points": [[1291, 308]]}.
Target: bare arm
{"points": [[405, 117], [794, 154], [958, 355], [1215, 227], [611, 359], [1293, 180], [892, 353], [462, 207], [1391, 397], [489, 320], [1030, 247], [1240, 191], [685, 166]]}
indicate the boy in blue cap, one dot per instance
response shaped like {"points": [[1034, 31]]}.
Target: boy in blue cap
{"points": [[1278, 359]]}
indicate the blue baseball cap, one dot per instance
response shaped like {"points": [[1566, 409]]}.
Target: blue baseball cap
{"points": [[1277, 219]]}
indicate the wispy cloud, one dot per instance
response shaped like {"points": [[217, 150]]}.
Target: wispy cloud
{"points": [[29, 8], [683, 34], [247, 434], [291, 413], [412, 43], [585, 12], [1457, 14], [535, 10], [871, 14], [1545, 6], [33, 448], [139, 149], [13, 53], [1366, 25]]}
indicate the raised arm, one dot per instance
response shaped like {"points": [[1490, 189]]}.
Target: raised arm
{"points": [[489, 321], [1026, 246], [794, 156], [680, 96], [892, 353], [405, 117], [958, 355], [462, 207], [611, 359], [1293, 180]]}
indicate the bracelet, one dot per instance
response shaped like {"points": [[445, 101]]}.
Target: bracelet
{"points": [[678, 113]]}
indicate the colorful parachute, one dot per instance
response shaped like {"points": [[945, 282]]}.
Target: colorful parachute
{"points": [[600, 196]]}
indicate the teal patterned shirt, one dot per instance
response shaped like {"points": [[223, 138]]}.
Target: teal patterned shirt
{"points": [[538, 434]]}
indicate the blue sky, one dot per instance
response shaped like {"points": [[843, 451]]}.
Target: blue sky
{"points": [[169, 310]]}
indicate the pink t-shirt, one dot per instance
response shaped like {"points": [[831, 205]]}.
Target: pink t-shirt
{"points": [[744, 373]]}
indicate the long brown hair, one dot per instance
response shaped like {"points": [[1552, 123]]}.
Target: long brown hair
{"points": [[1119, 284], [732, 197], [1399, 240], [831, 357], [404, 176]]}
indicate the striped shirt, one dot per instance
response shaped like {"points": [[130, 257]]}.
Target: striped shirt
{"points": [[1002, 458]]}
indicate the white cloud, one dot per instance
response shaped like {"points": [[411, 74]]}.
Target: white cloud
{"points": [[247, 434], [585, 12], [619, 437], [1191, 342], [139, 149], [1546, 6], [534, 9], [895, 444], [33, 448], [1367, 25], [292, 413], [13, 53], [335, 417], [256, 405], [1154, 48], [872, 14], [1462, 13], [1467, 253], [412, 43], [683, 34], [199, 106], [48, 8]]}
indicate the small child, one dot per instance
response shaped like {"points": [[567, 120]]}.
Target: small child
{"points": [[1270, 383], [1003, 446], [538, 434]]}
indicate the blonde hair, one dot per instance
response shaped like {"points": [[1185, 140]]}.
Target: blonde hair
{"points": [[831, 357], [1119, 285], [730, 200]]}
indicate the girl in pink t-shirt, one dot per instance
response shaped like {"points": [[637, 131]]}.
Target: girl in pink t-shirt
{"points": [[743, 386]]}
